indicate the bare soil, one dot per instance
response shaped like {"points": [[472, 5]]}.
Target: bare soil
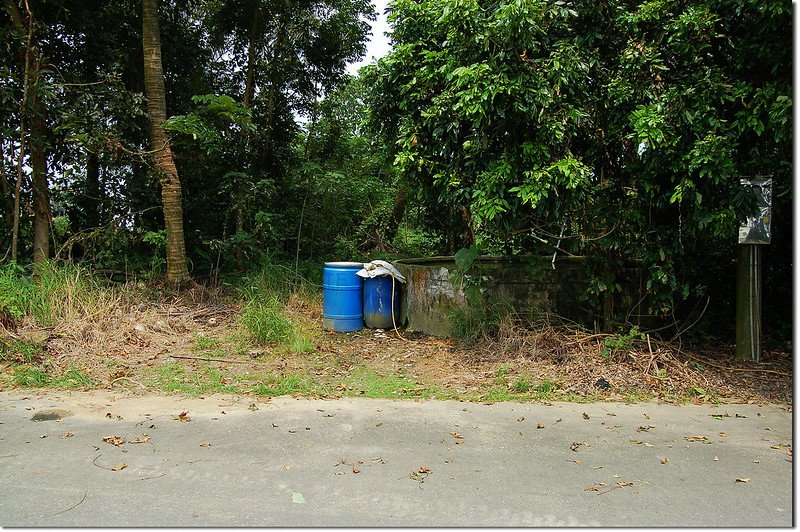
{"points": [[121, 349]]}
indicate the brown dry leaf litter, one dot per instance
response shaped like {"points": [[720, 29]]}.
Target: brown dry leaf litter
{"points": [[120, 342]]}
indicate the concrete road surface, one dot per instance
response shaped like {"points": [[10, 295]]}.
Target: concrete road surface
{"points": [[72, 459]]}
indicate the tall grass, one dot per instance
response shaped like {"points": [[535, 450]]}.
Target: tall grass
{"points": [[265, 315], [54, 294]]}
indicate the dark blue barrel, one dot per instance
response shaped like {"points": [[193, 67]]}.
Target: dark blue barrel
{"points": [[378, 302], [342, 292]]}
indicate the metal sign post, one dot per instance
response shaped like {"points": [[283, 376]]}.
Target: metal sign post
{"points": [[755, 232]]}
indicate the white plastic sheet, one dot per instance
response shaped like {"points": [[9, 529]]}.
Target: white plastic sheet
{"points": [[376, 268]]}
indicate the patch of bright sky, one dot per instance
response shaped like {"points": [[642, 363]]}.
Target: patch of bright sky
{"points": [[378, 45]]}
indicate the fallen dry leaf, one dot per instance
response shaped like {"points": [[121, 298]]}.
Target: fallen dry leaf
{"points": [[424, 470], [114, 440], [457, 435], [585, 415], [696, 438], [636, 442], [144, 439], [643, 429], [664, 460], [591, 487], [67, 434], [577, 462], [356, 470], [183, 417], [521, 418], [119, 467], [205, 444], [743, 480], [540, 425], [716, 458], [575, 445]]}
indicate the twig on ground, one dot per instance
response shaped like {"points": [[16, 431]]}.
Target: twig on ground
{"points": [[217, 359], [86, 492], [126, 379]]}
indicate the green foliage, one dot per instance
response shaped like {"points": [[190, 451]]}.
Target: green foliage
{"points": [[43, 375], [19, 352], [267, 323], [546, 387], [56, 293], [265, 317], [521, 385], [273, 385], [614, 343], [174, 377], [618, 130], [367, 383], [478, 320]]}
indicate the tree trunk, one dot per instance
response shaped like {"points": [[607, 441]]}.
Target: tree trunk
{"points": [[399, 209], [249, 94], [5, 187], [41, 193], [171, 195], [92, 191], [19, 26], [273, 82]]}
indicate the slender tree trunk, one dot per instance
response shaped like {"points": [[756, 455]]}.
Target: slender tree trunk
{"points": [[19, 26], [5, 187], [273, 85], [400, 201], [171, 195], [93, 192], [41, 193], [249, 94]]}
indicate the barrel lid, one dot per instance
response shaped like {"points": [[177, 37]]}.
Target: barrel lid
{"points": [[345, 264]]}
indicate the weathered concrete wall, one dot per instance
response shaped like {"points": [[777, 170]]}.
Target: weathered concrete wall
{"points": [[527, 285]]}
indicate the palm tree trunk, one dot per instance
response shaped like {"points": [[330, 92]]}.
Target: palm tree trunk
{"points": [[171, 194]]}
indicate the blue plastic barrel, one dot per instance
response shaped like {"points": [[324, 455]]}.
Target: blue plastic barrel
{"points": [[342, 293], [378, 302]]}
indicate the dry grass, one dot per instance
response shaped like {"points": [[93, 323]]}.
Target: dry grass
{"points": [[123, 336]]}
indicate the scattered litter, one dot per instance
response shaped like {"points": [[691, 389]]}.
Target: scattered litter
{"points": [[297, 498]]}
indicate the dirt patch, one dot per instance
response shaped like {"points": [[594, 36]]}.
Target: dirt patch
{"points": [[122, 348]]}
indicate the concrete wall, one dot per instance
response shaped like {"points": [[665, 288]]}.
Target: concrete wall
{"points": [[526, 285]]}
